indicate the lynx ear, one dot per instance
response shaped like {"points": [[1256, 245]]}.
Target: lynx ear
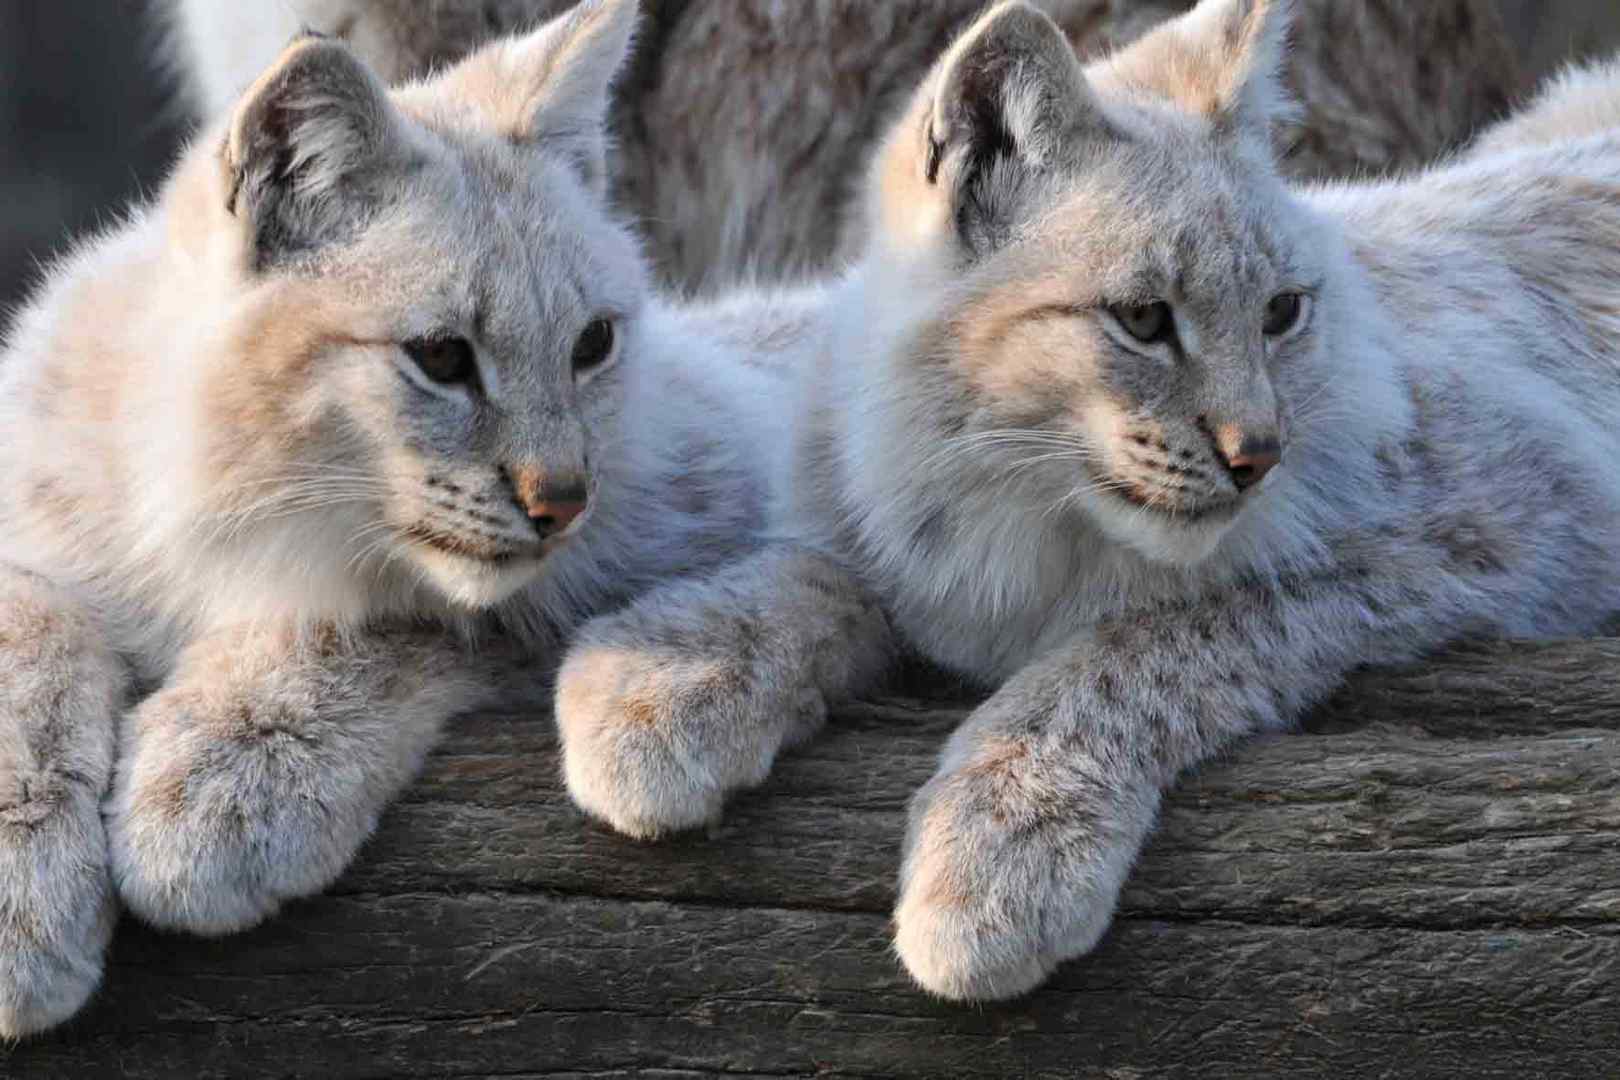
{"points": [[310, 146], [1000, 108], [1224, 60], [552, 86]]}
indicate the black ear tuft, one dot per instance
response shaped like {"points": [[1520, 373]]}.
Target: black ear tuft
{"points": [[1008, 98], [310, 148]]}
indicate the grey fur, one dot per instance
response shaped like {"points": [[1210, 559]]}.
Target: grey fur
{"points": [[257, 771], [316, 153], [1045, 503], [742, 124], [226, 485], [60, 689], [689, 693]]}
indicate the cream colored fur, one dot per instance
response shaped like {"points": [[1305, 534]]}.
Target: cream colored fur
{"points": [[253, 550], [742, 124], [1352, 424]]}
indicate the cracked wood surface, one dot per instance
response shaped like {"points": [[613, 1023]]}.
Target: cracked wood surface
{"points": [[1424, 883]]}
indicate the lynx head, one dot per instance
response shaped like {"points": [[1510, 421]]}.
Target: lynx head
{"points": [[1117, 272], [432, 296]]}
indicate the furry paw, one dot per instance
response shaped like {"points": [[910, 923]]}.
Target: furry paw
{"points": [[1002, 881], [654, 742], [222, 809], [57, 907]]}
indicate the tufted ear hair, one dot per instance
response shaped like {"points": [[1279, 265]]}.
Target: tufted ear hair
{"points": [[1222, 60], [551, 87], [311, 145], [1000, 108]]}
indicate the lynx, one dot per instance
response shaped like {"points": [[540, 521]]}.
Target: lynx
{"points": [[331, 441], [1150, 443]]}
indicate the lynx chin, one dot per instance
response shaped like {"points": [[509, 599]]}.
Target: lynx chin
{"points": [[364, 381], [1154, 445]]}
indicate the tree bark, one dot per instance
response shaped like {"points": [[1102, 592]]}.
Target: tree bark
{"points": [[1426, 881]]}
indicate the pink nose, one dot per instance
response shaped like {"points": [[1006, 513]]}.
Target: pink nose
{"points": [[1248, 455], [552, 501], [556, 515], [1251, 466]]}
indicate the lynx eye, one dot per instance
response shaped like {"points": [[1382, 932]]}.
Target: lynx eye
{"points": [[594, 347], [443, 359], [1285, 312], [1147, 323]]}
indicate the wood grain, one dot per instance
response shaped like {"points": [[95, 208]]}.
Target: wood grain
{"points": [[1426, 882]]}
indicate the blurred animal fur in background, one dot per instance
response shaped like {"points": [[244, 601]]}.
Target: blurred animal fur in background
{"points": [[744, 125]]}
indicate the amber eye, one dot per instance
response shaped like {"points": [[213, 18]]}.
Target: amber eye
{"points": [[443, 359], [1284, 313], [1147, 323], [594, 346]]}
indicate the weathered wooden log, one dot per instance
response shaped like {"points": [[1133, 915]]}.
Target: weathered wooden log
{"points": [[1424, 883]]}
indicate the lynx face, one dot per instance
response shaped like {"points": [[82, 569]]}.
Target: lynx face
{"points": [[1133, 283], [1135, 338], [437, 301]]}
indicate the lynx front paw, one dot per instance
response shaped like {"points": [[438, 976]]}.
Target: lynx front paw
{"points": [[1003, 879], [57, 907], [222, 810], [654, 743]]}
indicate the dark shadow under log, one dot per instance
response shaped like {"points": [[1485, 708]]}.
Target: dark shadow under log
{"points": [[1424, 883]]}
